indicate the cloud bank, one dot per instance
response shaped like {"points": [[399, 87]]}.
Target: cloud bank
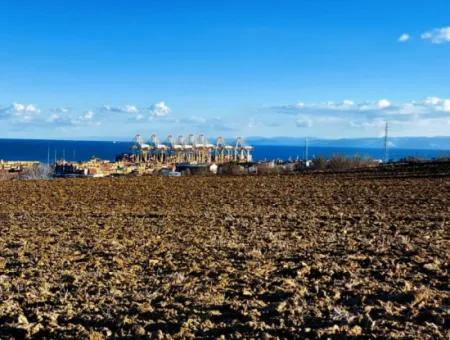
{"points": [[25, 113], [154, 111], [431, 112], [345, 118], [437, 35]]}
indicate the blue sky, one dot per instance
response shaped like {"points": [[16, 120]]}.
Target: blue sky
{"points": [[111, 69]]}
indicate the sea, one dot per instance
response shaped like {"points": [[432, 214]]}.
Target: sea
{"points": [[49, 150]]}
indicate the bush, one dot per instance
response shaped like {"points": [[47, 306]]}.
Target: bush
{"points": [[319, 163], [36, 172], [362, 162], [231, 169], [341, 162], [443, 158], [265, 170], [411, 159]]}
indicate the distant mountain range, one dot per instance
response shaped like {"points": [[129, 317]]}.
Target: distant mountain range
{"points": [[434, 143]]}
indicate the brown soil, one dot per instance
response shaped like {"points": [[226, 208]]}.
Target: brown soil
{"points": [[303, 256]]}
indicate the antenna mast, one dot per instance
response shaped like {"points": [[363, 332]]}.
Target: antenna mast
{"points": [[306, 149], [386, 150]]}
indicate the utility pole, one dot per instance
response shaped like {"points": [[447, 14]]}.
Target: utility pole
{"points": [[48, 156], [306, 149], [386, 149]]}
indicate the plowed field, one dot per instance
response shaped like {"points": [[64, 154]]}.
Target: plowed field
{"points": [[288, 256]]}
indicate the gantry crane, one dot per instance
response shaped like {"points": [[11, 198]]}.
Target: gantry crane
{"points": [[192, 149]]}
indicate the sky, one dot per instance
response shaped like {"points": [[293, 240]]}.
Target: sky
{"points": [[320, 68]]}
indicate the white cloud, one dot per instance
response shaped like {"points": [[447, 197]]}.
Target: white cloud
{"points": [[88, 115], [86, 119], [446, 105], [437, 104], [23, 113], [57, 119], [303, 122], [432, 101], [348, 102], [54, 118], [31, 115], [63, 117], [194, 120], [21, 108], [60, 110], [363, 117], [383, 104], [404, 38], [119, 109], [376, 123], [205, 124], [252, 123], [408, 109], [159, 109], [438, 35], [131, 109], [108, 108]]}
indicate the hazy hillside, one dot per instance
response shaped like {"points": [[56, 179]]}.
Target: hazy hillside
{"points": [[394, 142]]}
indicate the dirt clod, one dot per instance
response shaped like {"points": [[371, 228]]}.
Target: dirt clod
{"points": [[225, 257]]}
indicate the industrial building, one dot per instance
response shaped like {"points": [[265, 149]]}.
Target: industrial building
{"points": [[173, 157]]}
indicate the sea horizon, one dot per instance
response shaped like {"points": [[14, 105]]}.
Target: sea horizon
{"points": [[44, 150]]}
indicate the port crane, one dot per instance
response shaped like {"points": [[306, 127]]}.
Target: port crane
{"points": [[193, 149]]}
